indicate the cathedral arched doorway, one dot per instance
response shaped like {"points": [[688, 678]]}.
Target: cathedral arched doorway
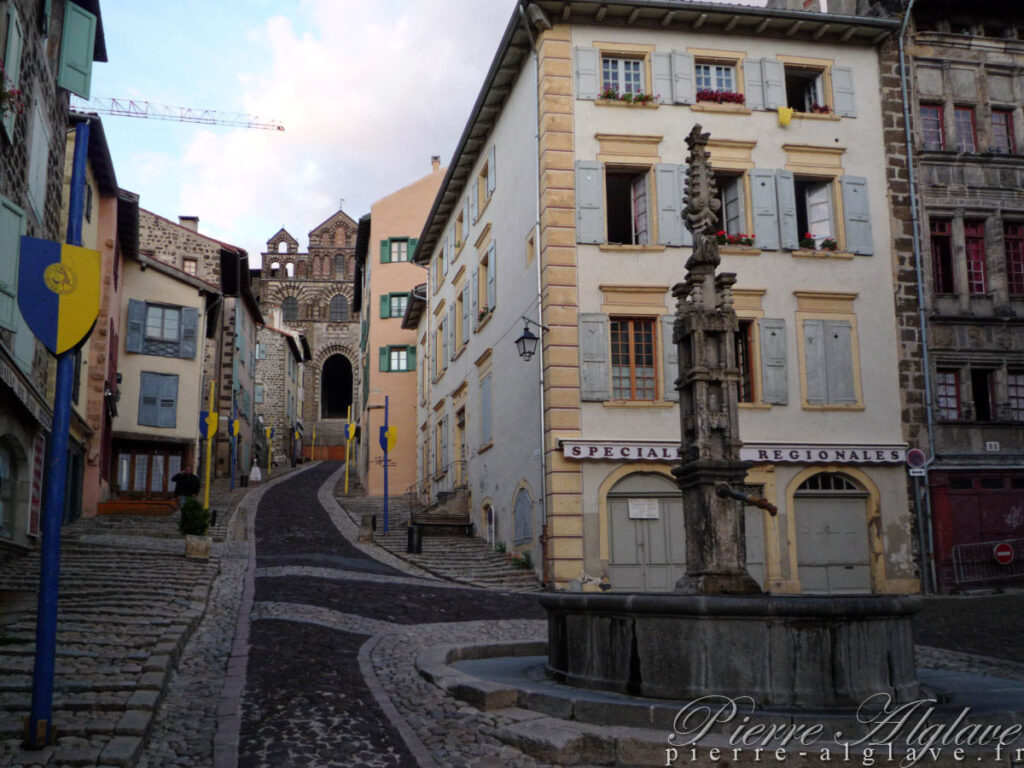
{"points": [[335, 387]]}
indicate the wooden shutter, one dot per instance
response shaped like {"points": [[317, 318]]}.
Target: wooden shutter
{"points": [[735, 215], [449, 250], [385, 252], [149, 399], [839, 363], [774, 382], [168, 400], [856, 215], [411, 248], [12, 226], [485, 409], [445, 333], [687, 234], [595, 376], [753, 83], [661, 76], [785, 191], [843, 93], [465, 314], [136, 325], [774, 84], [766, 215], [383, 359], [444, 441], [670, 204], [671, 358], [589, 203], [587, 79], [684, 89], [492, 173], [189, 334], [76, 50], [385, 306], [12, 63], [474, 199], [815, 361], [433, 358], [452, 345], [39, 162], [474, 295], [492, 272], [466, 221], [410, 358]]}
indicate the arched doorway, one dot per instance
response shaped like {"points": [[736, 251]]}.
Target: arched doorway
{"points": [[833, 554], [646, 534], [335, 387]]}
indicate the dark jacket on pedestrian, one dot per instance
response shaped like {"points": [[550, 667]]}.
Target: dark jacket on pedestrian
{"points": [[185, 484]]}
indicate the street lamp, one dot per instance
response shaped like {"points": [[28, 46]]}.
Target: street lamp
{"points": [[527, 342]]}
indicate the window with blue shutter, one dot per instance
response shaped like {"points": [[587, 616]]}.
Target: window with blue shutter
{"points": [[766, 213], [753, 84], [843, 92], [789, 229], [595, 374], [828, 358], [12, 63], [12, 227], [683, 84], [189, 333], [774, 83], [774, 383], [589, 202], [76, 50], [661, 76], [492, 272], [586, 64], [485, 410], [667, 178], [158, 399], [857, 215]]}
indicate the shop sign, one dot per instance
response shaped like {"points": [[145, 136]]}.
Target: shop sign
{"points": [[621, 450], [823, 454], [643, 509]]}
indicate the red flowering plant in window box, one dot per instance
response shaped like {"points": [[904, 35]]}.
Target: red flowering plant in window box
{"points": [[721, 97], [820, 109], [10, 98], [611, 93], [724, 238], [829, 244], [808, 242]]}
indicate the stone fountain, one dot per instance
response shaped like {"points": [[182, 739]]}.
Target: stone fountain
{"points": [[718, 634]]}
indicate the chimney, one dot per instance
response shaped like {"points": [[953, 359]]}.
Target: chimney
{"points": [[435, 161], [189, 222]]}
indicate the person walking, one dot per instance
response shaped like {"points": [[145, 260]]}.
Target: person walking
{"points": [[185, 484]]}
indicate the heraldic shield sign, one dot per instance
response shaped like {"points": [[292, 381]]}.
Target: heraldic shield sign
{"points": [[58, 292]]}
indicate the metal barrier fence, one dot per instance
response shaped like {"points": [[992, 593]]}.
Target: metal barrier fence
{"points": [[979, 562]]}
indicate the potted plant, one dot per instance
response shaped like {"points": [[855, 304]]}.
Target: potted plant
{"points": [[820, 109], [484, 311], [721, 97], [829, 244], [611, 93], [195, 522], [808, 242], [724, 238], [10, 97]]}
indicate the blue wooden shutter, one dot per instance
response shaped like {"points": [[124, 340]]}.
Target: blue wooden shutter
{"points": [[445, 348], [474, 199], [474, 295], [76, 50], [136, 325], [449, 250], [444, 441], [465, 314], [774, 84], [843, 93], [39, 162], [189, 327], [466, 221], [383, 359], [687, 234], [815, 361], [492, 272], [785, 191], [12, 63], [433, 357], [671, 358], [595, 376], [485, 409], [589, 203], [149, 399], [492, 173], [168, 400], [453, 344], [684, 89], [857, 215], [753, 83], [670, 202], [12, 226], [587, 76], [839, 363], [385, 252], [661, 77], [774, 383], [766, 215]]}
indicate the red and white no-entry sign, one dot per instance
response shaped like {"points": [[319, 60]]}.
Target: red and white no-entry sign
{"points": [[1003, 553]]}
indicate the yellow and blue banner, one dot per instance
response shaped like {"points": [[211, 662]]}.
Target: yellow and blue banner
{"points": [[58, 292]]}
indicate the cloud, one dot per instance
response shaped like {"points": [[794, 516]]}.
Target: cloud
{"points": [[367, 93]]}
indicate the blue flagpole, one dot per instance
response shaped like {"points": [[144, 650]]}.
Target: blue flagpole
{"points": [[39, 731], [385, 446]]}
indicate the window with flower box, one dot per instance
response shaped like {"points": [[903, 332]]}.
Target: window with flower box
{"points": [[732, 215], [1013, 239], [620, 76], [805, 89], [932, 132], [717, 82]]}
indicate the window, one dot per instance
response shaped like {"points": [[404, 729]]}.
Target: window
{"points": [[814, 211], [983, 393], [974, 243], [947, 394], [1002, 132], [339, 267], [158, 399], [805, 89], [190, 267], [338, 310], [966, 134], [399, 250], [745, 362], [393, 305], [633, 359], [12, 227], [290, 309], [162, 322], [485, 281], [397, 358], [461, 232], [627, 195], [732, 217], [715, 77], [828, 355], [1015, 395], [622, 75], [258, 392], [931, 127], [942, 255], [1013, 238], [8, 491], [400, 359], [483, 185]]}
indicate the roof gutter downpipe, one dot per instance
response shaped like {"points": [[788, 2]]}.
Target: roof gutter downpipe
{"points": [[924, 524]]}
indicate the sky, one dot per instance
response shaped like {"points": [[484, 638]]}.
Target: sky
{"points": [[367, 91]]}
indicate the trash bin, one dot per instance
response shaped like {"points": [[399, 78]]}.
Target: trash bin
{"points": [[414, 544], [243, 480]]}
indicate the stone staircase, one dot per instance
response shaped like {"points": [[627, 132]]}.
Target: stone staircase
{"points": [[462, 559]]}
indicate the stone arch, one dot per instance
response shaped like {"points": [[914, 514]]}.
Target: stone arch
{"points": [[317, 384], [337, 387], [14, 483], [609, 482], [522, 515]]}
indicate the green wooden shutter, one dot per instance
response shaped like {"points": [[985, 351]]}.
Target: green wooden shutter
{"points": [[385, 306], [383, 359], [44, 22], [385, 252], [12, 62], [12, 226], [410, 356], [413, 242], [76, 50]]}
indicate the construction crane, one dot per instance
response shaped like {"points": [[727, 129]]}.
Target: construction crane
{"points": [[147, 109]]}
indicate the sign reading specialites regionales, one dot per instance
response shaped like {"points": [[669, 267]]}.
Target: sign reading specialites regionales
{"points": [[759, 453]]}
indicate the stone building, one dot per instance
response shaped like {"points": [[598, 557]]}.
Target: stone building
{"points": [[314, 290], [962, 348], [229, 351], [569, 453], [47, 50], [281, 355]]}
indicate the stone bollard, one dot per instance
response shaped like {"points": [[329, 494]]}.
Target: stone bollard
{"points": [[366, 529]]}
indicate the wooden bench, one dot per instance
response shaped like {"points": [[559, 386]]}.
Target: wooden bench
{"points": [[461, 523]]}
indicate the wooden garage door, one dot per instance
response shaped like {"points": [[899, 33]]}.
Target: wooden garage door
{"points": [[833, 556]]}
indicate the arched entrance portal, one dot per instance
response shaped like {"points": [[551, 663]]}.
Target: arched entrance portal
{"points": [[335, 387]]}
